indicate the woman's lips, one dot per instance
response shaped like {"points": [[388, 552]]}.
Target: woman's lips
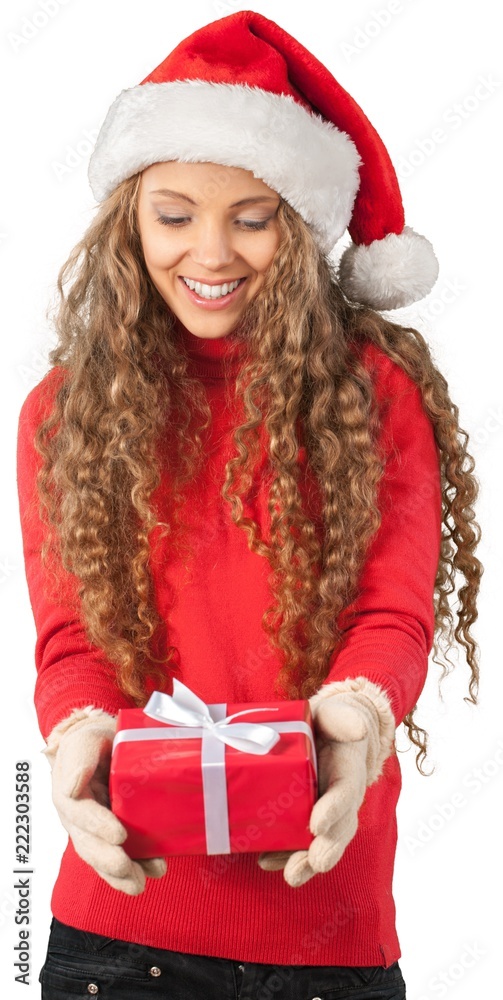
{"points": [[213, 304]]}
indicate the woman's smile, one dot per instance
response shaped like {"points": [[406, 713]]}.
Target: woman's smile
{"points": [[212, 295]]}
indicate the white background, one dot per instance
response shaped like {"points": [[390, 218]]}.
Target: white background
{"points": [[408, 64]]}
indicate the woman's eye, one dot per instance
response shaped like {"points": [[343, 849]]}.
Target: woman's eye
{"points": [[175, 220], [180, 220], [255, 224]]}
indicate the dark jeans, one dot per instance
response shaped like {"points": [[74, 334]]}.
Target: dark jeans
{"points": [[80, 964]]}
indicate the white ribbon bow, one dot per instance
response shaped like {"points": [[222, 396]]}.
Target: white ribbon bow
{"points": [[184, 708]]}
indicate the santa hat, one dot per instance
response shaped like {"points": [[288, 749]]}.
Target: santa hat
{"points": [[243, 92]]}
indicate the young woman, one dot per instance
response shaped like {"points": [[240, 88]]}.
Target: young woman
{"points": [[237, 472]]}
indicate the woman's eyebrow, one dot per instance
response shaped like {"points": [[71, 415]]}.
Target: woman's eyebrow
{"points": [[243, 201]]}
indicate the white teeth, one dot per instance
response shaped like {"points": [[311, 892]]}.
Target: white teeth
{"points": [[211, 291]]}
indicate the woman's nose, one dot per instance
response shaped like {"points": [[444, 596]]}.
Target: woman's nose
{"points": [[212, 247]]}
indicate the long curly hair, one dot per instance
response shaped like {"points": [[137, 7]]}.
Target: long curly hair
{"points": [[128, 376]]}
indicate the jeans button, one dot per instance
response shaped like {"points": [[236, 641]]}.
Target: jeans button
{"points": [[241, 968], [155, 970], [92, 988]]}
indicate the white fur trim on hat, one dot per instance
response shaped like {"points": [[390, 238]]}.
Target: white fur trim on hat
{"points": [[389, 273], [304, 158]]}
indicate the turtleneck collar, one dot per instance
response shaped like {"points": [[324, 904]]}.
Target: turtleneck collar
{"points": [[212, 357]]}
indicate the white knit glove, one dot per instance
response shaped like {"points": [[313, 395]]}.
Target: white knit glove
{"points": [[79, 751], [354, 729]]}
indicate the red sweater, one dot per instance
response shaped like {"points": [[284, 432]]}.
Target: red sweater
{"points": [[225, 905]]}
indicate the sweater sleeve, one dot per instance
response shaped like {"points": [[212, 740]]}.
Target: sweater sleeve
{"points": [[388, 640], [71, 671]]}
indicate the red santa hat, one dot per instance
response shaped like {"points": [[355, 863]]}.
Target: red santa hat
{"points": [[243, 92]]}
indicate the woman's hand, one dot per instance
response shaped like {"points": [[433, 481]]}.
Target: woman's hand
{"points": [[79, 754], [351, 750]]}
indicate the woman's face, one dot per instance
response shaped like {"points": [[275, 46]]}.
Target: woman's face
{"points": [[206, 223]]}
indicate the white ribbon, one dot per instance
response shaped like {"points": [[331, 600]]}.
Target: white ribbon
{"points": [[190, 717], [186, 709]]}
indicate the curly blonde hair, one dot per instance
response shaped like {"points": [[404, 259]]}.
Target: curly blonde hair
{"points": [[102, 465]]}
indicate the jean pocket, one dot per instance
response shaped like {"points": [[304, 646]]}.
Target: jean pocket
{"points": [[88, 975], [377, 983], [59, 984]]}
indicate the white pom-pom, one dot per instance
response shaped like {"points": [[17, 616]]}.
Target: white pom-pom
{"points": [[389, 273]]}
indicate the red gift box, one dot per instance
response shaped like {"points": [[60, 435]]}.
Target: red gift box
{"points": [[182, 789]]}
